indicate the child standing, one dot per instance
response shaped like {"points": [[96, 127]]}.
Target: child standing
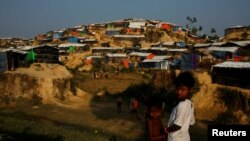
{"points": [[119, 104], [182, 115], [134, 105], [155, 129]]}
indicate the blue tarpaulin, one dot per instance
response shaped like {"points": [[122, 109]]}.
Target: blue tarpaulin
{"points": [[73, 40], [180, 44], [189, 61]]}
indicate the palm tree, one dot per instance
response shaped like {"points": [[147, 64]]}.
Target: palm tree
{"points": [[200, 28], [189, 19], [194, 20]]}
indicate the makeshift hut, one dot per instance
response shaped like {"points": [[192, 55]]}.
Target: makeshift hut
{"points": [[11, 58], [232, 73], [67, 48], [42, 53]]}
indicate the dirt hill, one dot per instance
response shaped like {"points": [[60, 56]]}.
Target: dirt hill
{"points": [[208, 105], [48, 83]]}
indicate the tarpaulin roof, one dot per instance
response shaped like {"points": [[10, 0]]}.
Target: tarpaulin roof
{"points": [[159, 48], [168, 43], [226, 49], [161, 57], [141, 54], [229, 64], [116, 55], [25, 48], [177, 50], [151, 60], [218, 43], [107, 48], [241, 43], [129, 36], [93, 57], [202, 45], [14, 50], [90, 40], [180, 44], [71, 44]]}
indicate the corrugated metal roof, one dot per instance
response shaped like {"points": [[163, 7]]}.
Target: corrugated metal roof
{"points": [[25, 48], [177, 50], [241, 43], [141, 54], [159, 48], [150, 60], [90, 40], [93, 57], [168, 43], [229, 64], [226, 49], [117, 55], [14, 50], [161, 57], [71, 44], [202, 45], [129, 36], [108, 48], [218, 43]]}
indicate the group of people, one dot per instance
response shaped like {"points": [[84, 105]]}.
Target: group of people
{"points": [[181, 117]]}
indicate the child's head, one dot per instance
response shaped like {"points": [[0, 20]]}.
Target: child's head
{"points": [[184, 84], [155, 108]]}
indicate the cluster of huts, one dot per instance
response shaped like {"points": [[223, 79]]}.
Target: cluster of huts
{"points": [[127, 29], [159, 56]]}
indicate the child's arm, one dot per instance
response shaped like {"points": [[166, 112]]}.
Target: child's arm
{"points": [[173, 128]]}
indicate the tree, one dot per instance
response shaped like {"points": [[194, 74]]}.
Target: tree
{"points": [[194, 30], [204, 36], [214, 36], [189, 19], [194, 20], [49, 34], [200, 28], [190, 25]]}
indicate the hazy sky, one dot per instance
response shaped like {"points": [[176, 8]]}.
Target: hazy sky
{"points": [[26, 18]]}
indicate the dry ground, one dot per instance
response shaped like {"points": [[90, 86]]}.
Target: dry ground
{"points": [[82, 117]]}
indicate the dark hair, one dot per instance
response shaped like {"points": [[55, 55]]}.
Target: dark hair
{"points": [[185, 79], [154, 102]]}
